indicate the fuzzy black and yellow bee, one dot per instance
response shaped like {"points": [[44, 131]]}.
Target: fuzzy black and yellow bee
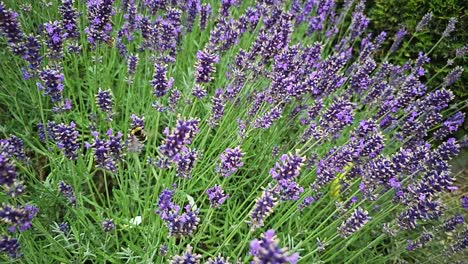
{"points": [[110, 42], [135, 140], [139, 133]]}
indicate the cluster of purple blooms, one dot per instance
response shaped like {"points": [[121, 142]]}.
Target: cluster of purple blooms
{"points": [[335, 92], [66, 191], [216, 196], [100, 13], [180, 223], [107, 152], [19, 217], [267, 250], [107, 225], [230, 161]]}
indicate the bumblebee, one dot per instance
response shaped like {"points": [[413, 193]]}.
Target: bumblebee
{"points": [[110, 42], [139, 133]]}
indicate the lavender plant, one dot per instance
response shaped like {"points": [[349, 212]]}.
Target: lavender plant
{"points": [[226, 131]]}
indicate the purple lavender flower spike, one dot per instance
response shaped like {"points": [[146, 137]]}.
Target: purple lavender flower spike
{"points": [[69, 19], [67, 192], [163, 250], [187, 258], [204, 66], [52, 83], [205, 13], [11, 29], [289, 168], [450, 27], [99, 16], [453, 76], [132, 63], [398, 39], [216, 196], [461, 52], [55, 39], [104, 102], [309, 200], [230, 161], [450, 125], [198, 91], [267, 250], [185, 162], [355, 222], [18, 218], [179, 223], [101, 150], [193, 8], [262, 209], [107, 225], [160, 83], [217, 108], [218, 260], [422, 25], [420, 242], [174, 99], [289, 190], [181, 136], [13, 147], [451, 223], [10, 246], [267, 119], [338, 115], [32, 48], [464, 202], [66, 138]]}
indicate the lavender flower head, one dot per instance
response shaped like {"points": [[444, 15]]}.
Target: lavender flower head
{"points": [[52, 83], [267, 250], [398, 39], [69, 19], [464, 202], [230, 161], [357, 220], [67, 192], [179, 223], [216, 196], [450, 27], [132, 63], [55, 38], [289, 190], [289, 168], [160, 83], [262, 209], [11, 29], [99, 16], [205, 66], [453, 76], [198, 91], [66, 138], [104, 102], [422, 25], [187, 258], [10, 246], [451, 223], [217, 108], [107, 153], [205, 13], [18, 218], [185, 161], [107, 225], [218, 260], [182, 135], [12, 147]]}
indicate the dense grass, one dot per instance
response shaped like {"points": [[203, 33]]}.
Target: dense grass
{"points": [[133, 191]]}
